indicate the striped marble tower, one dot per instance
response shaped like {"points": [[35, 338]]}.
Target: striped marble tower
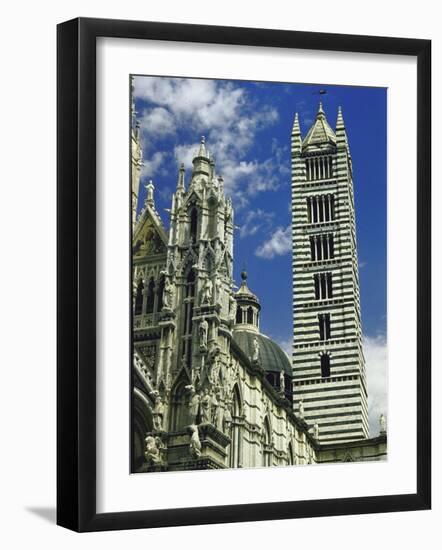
{"points": [[328, 361]]}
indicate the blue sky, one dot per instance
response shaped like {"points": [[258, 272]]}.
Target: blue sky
{"points": [[247, 126]]}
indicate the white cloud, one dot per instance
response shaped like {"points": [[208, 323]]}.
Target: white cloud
{"points": [[228, 118], [157, 122], [151, 166], [375, 351], [254, 221], [279, 244]]}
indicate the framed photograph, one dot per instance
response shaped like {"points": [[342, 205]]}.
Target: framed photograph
{"points": [[243, 274]]}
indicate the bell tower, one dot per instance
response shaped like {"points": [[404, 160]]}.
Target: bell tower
{"points": [[329, 381]]}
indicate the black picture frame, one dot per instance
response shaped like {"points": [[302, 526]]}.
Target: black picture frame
{"points": [[76, 274]]}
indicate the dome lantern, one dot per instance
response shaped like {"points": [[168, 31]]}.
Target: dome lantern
{"points": [[248, 307]]}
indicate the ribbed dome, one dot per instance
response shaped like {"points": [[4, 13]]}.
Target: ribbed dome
{"points": [[272, 357]]}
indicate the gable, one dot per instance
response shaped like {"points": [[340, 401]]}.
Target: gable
{"points": [[149, 238]]}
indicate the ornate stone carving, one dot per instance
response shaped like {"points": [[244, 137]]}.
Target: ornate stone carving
{"points": [[214, 364], [316, 431], [256, 350], [206, 407], [194, 403], [203, 330], [148, 354], [301, 408], [233, 306], [218, 285], [227, 416], [216, 410], [195, 443], [152, 452], [282, 382], [207, 292], [168, 294], [158, 414]]}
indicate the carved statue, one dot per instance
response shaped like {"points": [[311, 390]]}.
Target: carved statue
{"points": [[231, 376], [158, 413], [168, 294], [229, 209], [206, 407], [207, 292], [382, 424], [227, 417], [194, 403], [152, 450], [216, 410], [281, 382], [203, 330], [301, 408], [255, 356], [233, 306], [218, 284], [195, 443], [316, 431], [214, 365]]}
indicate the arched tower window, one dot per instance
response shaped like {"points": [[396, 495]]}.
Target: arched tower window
{"points": [[139, 298], [189, 299], [235, 446], [150, 300], [250, 315], [193, 223], [239, 315], [291, 454], [266, 455], [325, 365], [179, 407]]}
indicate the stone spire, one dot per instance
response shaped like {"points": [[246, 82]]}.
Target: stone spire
{"points": [[201, 163], [320, 135], [202, 150], [180, 185], [296, 136], [341, 134]]}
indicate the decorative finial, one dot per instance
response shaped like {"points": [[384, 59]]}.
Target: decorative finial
{"points": [[202, 151], [296, 127], [244, 275], [320, 109], [382, 425], [340, 121], [180, 184], [150, 189]]}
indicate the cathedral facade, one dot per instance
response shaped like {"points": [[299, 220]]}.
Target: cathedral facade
{"points": [[209, 390]]}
